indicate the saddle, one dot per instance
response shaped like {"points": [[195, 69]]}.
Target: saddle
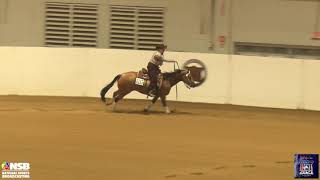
{"points": [[143, 74], [145, 78]]}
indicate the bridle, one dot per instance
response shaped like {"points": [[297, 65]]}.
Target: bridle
{"points": [[189, 78], [188, 75]]}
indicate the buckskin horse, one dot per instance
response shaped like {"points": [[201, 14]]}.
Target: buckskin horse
{"points": [[139, 81]]}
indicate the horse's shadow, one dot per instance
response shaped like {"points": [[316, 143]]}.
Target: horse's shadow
{"points": [[152, 112]]}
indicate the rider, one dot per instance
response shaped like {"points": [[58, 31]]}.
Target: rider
{"points": [[154, 64]]}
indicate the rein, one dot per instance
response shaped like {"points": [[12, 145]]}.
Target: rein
{"points": [[174, 66]]}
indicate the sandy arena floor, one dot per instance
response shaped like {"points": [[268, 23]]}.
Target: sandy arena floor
{"points": [[79, 138]]}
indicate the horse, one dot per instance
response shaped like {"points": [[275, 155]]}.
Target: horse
{"points": [[127, 82]]}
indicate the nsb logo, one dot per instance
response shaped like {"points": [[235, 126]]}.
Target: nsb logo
{"points": [[306, 165], [6, 166], [306, 169]]}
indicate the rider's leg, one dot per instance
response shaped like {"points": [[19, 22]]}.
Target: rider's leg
{"points": [[153, 71], [153, 83], [157, 79]]}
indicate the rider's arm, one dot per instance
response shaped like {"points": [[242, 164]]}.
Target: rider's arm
{"points": [[161, 59], [164, 60]]}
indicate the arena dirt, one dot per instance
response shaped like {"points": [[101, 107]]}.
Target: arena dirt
{"points": [[80, 139]]}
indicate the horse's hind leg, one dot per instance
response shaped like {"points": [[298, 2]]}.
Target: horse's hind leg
{"points": [[148, 107], [115, 94], [164, 103], [117, 97]]}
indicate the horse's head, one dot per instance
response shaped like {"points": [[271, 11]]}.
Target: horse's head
{"points": [[186, 78], [180, 75]]}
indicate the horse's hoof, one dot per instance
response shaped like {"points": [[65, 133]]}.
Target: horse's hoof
{"points": [[147, 108], [167, 110], [108, 103]]}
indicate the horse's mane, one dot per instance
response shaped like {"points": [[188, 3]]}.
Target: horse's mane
{"points": [[167, 75]]}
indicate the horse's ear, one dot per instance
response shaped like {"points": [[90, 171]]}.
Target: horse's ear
{"points": [[184, 71]]}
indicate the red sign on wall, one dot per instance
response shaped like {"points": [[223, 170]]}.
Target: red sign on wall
{"points": [[222, 40], [316, 35]]}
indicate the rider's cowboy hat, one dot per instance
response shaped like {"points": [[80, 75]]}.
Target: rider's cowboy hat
{"points": [[161, 46]]}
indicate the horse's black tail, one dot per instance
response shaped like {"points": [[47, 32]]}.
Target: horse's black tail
{"points": [[106, 89]]}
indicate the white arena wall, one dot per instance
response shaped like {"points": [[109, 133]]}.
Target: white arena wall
{"points": [[232, 79]]}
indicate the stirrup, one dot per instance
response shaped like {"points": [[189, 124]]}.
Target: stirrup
{"points": [[152, 93]]}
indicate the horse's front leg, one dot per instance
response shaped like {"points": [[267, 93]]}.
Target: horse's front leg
{"points": [[164, 103], [154, 100]]}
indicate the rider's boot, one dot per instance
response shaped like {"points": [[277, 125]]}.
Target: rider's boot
{"points": [[152, 92]]}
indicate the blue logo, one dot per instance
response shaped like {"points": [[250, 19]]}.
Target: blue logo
{"points": [[306, 165]]}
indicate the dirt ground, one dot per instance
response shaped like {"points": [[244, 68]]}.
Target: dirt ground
{"points": [[80, 138]]}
